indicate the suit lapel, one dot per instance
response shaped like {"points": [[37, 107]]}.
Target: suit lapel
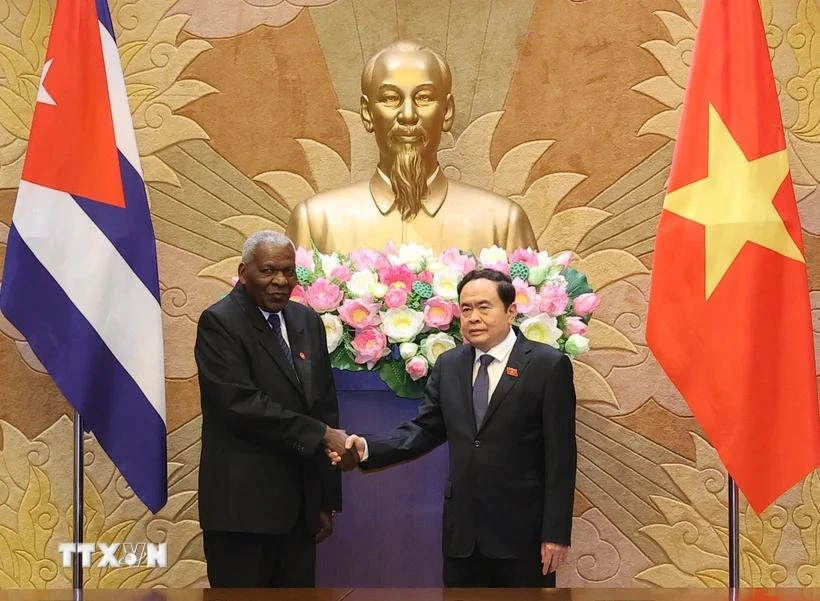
{"points": [[265, 335], [299, 348], [516, 363], [465, 371]]}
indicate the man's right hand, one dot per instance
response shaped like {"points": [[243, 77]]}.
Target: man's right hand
{"points": [[355, 446], [334, 440]]}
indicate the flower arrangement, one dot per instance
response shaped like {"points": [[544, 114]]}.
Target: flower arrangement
{"points": [[396, 311]]}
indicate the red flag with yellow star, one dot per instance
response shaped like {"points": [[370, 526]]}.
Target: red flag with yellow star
{"points": [[729, 318]]}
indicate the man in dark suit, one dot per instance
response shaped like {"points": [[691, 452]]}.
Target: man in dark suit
{"points": [[506, 406], [267, 492]]}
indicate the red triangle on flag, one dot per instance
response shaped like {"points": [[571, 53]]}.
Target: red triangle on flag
{"points": [[72, 146]]}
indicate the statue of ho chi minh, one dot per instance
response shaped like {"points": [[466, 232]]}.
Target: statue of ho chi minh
{"points": [[407, 103]]}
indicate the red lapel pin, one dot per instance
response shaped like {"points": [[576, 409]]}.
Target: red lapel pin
{"points": [[302, 356], [512, 372]]}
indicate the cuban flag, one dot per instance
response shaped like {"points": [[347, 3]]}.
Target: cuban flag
{"points": [[80, 277]]}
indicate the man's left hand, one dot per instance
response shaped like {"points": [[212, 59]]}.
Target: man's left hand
{"points": [[552, 554], [326, 518]]}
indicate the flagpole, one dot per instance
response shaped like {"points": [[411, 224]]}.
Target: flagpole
{"points": [[734, 538], [77, 573]]}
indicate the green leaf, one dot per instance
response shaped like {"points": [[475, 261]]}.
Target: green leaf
{"points": [[576, 282], [342, 358], [393, 374], [455, 330], [317, 260]]}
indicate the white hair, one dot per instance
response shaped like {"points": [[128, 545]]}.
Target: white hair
{"points": [[270, 237]]}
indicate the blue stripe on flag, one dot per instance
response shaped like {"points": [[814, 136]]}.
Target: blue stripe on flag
{"points": [[111, 404], [104, 16], [130, 230]]}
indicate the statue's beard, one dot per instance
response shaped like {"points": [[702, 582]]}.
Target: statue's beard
{"points": [[408, 180]]}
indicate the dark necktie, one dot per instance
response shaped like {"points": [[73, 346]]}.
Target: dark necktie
{"points": [[276, 324], [481, 389]]}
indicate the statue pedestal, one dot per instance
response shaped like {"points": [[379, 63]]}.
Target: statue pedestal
{"points": [[389, 531]]}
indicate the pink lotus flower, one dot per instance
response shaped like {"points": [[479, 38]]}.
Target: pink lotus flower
{"points": [[525, 255], [304, 258], [382, 262], [576, 325], [370, 346], [395, 298], [439, 313], [364, 258], [299, 295], [425, 276], [417, 368], [453, 259], [324, 296], [341, 273], [586, 304], [396, 276], [500, 266], [563, 259], [359, 313], [527, 300], [554, 299]]}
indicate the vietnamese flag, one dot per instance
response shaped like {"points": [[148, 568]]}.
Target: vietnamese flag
{"points": [[729, 318]]}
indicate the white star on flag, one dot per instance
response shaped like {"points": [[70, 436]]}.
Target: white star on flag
{"points": [[42, 94]]}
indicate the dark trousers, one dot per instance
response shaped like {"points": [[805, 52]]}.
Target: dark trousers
{"points": [[478, 571], [242, 560]]}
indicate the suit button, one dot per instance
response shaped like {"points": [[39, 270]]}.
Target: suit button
{"points": [[477, 443]]}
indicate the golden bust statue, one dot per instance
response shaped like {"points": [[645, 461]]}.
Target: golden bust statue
{"points": [[406, 103]]}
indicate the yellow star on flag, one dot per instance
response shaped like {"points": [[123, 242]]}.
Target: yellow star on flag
{"points": [[734, 202]]}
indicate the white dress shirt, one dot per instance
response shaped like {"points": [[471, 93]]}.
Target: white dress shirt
{"points": [[500, 352], [281, 321]]}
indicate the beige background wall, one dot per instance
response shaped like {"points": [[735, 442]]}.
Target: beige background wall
{"points": [[243, 107]]}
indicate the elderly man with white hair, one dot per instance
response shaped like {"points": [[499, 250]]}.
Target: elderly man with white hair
{"points": [[267, 492]]}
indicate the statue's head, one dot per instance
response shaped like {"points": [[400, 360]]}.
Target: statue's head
{"points": [[407, 103]]}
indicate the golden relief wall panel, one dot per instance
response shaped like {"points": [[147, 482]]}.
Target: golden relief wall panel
{"points": [[242, 109]]}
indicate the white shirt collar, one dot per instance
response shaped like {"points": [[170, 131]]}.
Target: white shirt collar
{"points": [[266, 314], [501, 351]]}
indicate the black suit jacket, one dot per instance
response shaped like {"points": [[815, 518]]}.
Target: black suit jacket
{"points": [[512, 481], [262, 461]]}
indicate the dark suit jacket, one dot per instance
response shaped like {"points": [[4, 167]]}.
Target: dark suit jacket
{"points": [[512, 481], [262, 461]]}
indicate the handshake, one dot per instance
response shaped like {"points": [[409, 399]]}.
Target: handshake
{"points": [[344, 451]]}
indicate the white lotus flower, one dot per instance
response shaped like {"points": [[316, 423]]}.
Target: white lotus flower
{"points": [[544, 259], [379, 290], [333, 330], [492, 255], [445, 284], [362, 283], [576, 344], [435, 344], [413, 255], [407, 350], [329, 263], [542, 328], [403, 324]]}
